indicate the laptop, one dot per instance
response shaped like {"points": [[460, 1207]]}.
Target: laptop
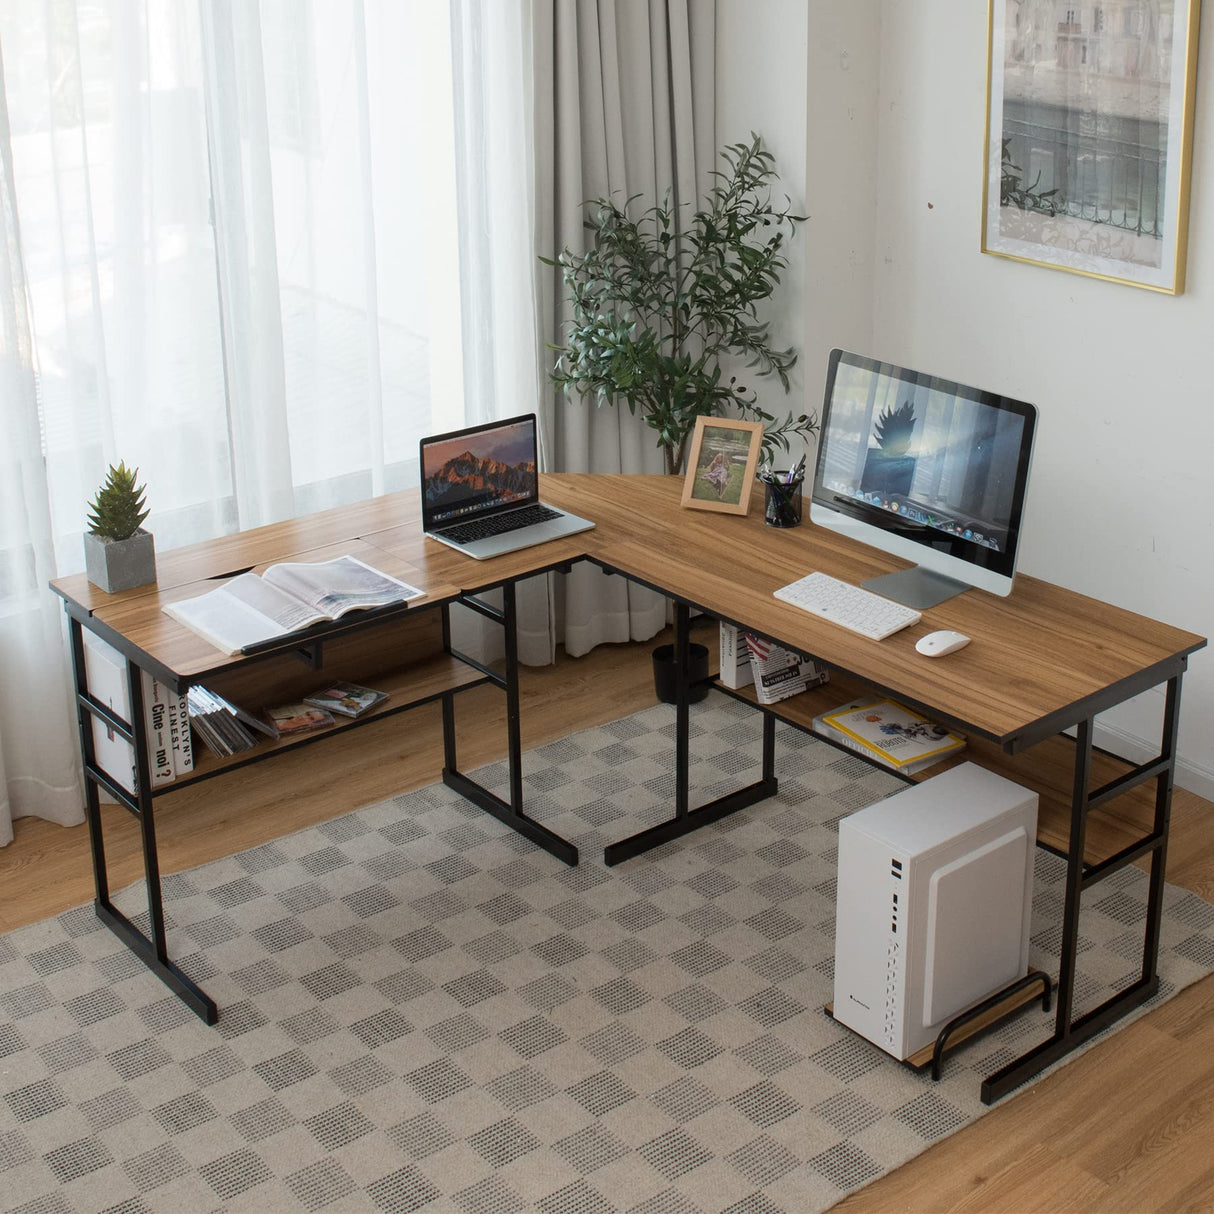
{"points": [[481, 490]]}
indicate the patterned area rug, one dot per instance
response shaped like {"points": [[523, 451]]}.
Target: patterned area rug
{"points": [[420, 1009]]}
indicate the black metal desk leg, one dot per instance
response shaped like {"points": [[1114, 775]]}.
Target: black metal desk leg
{"points": [[92, 801], [682, 709], [1069, 949], [685, 818], [510, 812], [1070, 1032], [1163, 819], [514, 731], [153, 951], [769, 747]]}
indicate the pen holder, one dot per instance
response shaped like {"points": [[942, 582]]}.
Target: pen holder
{"points": [[782, 501]]}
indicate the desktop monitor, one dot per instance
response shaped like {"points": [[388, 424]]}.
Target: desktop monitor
{"points": [[925, 469]]}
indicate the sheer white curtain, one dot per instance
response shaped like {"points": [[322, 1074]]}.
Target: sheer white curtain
{"points": [[625, 106], [35, 709], [244, 228]]}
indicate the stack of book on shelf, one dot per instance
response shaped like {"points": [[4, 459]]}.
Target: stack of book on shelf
{"points": [[165, 719], [226, 729], [890, 733]]}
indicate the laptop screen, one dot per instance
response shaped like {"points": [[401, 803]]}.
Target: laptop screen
{"points": [[478, 470]]}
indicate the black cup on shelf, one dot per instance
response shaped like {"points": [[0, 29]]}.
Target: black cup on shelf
{"points": [[782, 500]]}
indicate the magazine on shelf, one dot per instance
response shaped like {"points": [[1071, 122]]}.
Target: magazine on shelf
{"points": [[779, 673], [345, 699], [890, 733], [296, 718], [255, 608]]}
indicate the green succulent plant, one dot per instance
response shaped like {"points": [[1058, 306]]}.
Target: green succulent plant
{"points": [[117, 511]]}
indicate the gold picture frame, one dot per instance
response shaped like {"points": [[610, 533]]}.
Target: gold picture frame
{"points": [[724, 456], [1089, 137]]}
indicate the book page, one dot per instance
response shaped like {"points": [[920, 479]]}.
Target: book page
{"points": [[331, 588], [242, 612]]}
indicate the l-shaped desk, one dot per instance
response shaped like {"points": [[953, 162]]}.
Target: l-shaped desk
{"points": [[1042, 661]]}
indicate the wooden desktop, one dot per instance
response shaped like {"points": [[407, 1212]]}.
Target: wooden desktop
{"points": [[1041, 661]]}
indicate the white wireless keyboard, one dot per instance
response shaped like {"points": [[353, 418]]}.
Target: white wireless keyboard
{"points": [[849, 606]]}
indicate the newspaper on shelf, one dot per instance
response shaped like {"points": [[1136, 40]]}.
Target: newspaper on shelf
{"points": [[778, 672]]}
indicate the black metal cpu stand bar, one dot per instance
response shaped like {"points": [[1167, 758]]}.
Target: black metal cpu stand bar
{"points": [[1069, 1032], [153, 949], [510, 812], [685, 818]]}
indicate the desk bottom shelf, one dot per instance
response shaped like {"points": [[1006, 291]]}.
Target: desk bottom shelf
{"points": [[1048, 769]]}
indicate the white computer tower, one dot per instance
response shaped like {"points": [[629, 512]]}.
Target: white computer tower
{"points": [[933, 905]]}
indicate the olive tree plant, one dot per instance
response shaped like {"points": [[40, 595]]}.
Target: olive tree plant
{"points": [[659, 305]]}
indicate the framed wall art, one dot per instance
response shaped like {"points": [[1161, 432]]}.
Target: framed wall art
{"points": [[721, 466], [1089, 136]]}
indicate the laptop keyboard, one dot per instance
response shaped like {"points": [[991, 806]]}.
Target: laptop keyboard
{"points": [[482, 529]]}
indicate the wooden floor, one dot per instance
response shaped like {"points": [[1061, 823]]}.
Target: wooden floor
{"points": [[1127, 1127]]}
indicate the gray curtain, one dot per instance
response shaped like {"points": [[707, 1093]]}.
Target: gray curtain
{"points": [[624, 105]]}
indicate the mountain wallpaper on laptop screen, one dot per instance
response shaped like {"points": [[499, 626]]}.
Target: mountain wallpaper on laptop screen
{"points": [[468, 478]]}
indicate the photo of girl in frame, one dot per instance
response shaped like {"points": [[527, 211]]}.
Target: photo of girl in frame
{"points": [[721, 465]]}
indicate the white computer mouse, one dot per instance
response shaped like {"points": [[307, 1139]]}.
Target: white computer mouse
{"points": [[937, 644]]}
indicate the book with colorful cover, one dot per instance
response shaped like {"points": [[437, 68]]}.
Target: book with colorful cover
{"points": [[345, 699], [890, 733]]}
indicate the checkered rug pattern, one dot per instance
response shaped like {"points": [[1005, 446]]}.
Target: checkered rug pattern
{"points": [[420, 1010]]}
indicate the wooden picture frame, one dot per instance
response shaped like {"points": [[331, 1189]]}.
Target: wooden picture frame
{"points": [[721, 464], [1089, 137]]}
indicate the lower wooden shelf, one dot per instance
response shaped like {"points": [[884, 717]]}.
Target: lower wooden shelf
{"points": [[407, 687], [1047, 768]]}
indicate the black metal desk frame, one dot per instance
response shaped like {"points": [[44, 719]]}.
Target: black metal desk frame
{"points": [[152, 947], [1070, 1031]]}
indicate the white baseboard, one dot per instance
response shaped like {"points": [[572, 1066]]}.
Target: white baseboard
{"points": [[1192, 777]]}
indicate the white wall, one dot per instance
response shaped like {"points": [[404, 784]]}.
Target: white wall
{"points": [[1121, 503], [1121, 506], [761, 88]]}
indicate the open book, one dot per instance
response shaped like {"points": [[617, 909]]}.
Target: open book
{"points": [[252, 609]]}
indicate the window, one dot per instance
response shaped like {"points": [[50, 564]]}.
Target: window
{"points": [[187, 191]]}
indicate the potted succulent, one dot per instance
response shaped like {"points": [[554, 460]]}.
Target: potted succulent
{"points": [[659, 304], [118, 553]]}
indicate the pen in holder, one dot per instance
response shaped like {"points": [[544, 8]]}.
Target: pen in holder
{"points": [[782, 500]]}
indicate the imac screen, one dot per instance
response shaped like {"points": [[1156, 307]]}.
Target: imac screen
{"points": [[925, 459]]}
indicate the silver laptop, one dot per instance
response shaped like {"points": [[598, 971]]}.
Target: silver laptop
{"points": [[480, 490]]}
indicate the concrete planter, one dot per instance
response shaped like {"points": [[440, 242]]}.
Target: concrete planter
{"points": [[116, 565]]}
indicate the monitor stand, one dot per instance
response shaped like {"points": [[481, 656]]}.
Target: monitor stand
{"points": [[916, 587]]}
